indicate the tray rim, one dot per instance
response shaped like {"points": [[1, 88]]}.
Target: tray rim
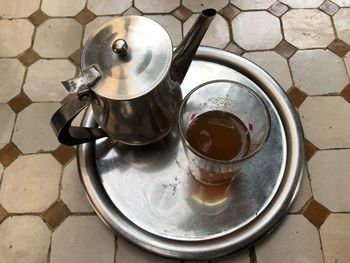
{"points": [[237, 240]]}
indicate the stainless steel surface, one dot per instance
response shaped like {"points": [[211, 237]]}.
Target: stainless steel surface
{"points": [[288, 153], [120, 47]]}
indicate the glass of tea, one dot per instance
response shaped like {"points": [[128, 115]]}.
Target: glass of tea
{"points": [[222, 124]]}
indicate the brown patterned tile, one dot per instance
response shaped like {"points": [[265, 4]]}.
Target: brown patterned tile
{"points": [[3, 213], [28, 57], [230, 11], [64, 153], [20, 102], [278, 9], [182, 13], [233, 48], [75, 57], [310, 150], [8, 154], [316, 213], [55, 214], [297, 96], [339, 47], [85, 16], [329, 8], [345, 93], [285, 49], [38, 17]]}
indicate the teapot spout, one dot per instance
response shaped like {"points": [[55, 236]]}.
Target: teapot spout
{"points": [[185, 52]]}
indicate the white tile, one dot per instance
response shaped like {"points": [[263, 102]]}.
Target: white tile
{"points": [[11, 78], [307, 28], [252, 4], [72, 192], [171, 25], [274, 64], [7, 120], [245, 31], [304, 194], [94, 24], [33, 180], [329, 171], [32, 131], [108, 7], [303, 3], [218, 34], [24, 239], [156, 6], [295, 240], [13, 43], [241, 257], [311, 69], [43, 81], [323, 120], [18, 8], [82, 239], [199, 5], [62, 7], [342, 3], [335, 238], [342, 24], [58, 38]]}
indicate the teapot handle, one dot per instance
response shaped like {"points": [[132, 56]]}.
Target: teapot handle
{"points": [[62, 119]]}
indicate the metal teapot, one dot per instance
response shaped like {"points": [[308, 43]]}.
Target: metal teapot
{"points": [[131, 77]]}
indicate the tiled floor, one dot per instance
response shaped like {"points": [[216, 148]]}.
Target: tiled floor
{"points": [[304, 45]]}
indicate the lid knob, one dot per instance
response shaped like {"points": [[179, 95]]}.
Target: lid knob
{"points": [[120, 47]]}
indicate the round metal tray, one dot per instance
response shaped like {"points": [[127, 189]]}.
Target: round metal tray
{"points": [[146, 194]]}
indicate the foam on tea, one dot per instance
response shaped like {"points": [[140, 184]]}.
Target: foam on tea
{"points": [[219, 135]]}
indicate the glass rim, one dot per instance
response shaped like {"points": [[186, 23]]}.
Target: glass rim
{"points": [[243, 87]]}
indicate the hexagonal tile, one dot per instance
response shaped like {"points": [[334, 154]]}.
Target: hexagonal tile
{"points": [[302, 3], [296, 240], [342, 24], [332, 192], [304, 194], [307, 28], [335, 237], [311, 68], [7, 120], [24, 239], [33, 180], [72, 193], [108, 7], [156, 6], [94, 24], [198, 6], [18, 8], [11, 78], [245, 34], [32, 131], [323, 125], [218, 34], [347, 62], [342, 3], [252, 5], [62, 7], [58, 38], [13, 43], [43, 79], [274, 64], [171, 25], [82, 239]]}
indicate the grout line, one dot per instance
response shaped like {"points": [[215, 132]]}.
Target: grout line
{"points": [[252, 255], [115, 248]]}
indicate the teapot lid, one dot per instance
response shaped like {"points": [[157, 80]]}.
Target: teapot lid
{"points": [[133, 55]]}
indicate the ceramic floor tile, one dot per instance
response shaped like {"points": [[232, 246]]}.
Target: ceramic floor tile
{"points": [[329, 171], [307, 28], [7, 120], [245, 34], [108, 7], [32, 131], [24, 239], [241, 257], [198, 6], [323, 126], [302, 3], [278, 9], [43, 79], [132, 11], [335, 238], [1, 171], [94, 24], [274, 64], [58, 38], [171, 24], [62, 7], [342, 3], [311, 68], [347, 62], [252, 4], [129, 253], [329, 7], [82, 239], [72, 193], [304, 194], [296, 240], [11, 78], [18, 8], [33, 180], [156, 6], [342, 24], [13, 43]]}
